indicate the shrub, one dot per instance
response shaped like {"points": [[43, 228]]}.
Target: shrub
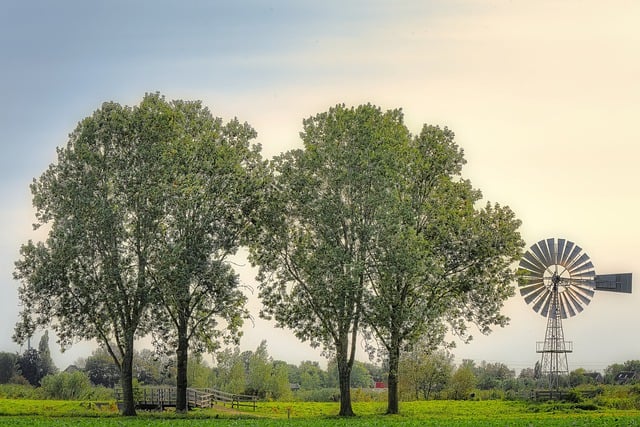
{"points": [[19, 391], [67, 386]]}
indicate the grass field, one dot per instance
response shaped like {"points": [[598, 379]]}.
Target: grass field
{"points": [[37, 413]]}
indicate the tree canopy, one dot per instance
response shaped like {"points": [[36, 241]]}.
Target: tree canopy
{"points": [[373, 229], [143, 205]]}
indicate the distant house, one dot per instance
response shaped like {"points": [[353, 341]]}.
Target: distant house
{"points": [[380, 384], [72, 368], [596, 376], [626, 377], [294, 386]]}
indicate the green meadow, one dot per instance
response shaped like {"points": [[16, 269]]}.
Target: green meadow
{"points": [[36, 413]]}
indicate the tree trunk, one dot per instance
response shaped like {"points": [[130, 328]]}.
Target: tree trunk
{"points": [[394, 362], [181, 374], [126, 377], [344, 378]]}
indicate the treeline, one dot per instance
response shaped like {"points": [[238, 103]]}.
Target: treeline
{"points": [[425, 375], [433, 375]]}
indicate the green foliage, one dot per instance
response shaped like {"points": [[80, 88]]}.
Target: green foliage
{"points": [[20, 391], [101, 369], [424, 374], [67, 386], [8, 366], [462, 383], [31, 366]]}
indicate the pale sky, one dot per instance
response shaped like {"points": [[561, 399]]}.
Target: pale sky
{"points": [[544, 97]]}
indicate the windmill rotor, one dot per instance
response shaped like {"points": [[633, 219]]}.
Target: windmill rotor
{"points": [[557, 266]]}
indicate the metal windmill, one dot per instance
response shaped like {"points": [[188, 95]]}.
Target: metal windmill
{"points": [[558, 280]]}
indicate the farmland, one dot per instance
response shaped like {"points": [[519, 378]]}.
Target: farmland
{"points": [[36, 413]]}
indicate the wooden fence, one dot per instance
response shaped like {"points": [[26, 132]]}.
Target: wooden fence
{"points": [[160, 397]]}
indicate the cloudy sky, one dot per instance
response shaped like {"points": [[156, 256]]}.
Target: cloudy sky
{"points": [[543, 96]]}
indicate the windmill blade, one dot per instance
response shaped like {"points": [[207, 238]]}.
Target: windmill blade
{"points": [[575, 253], [588, 267], [560, 250], [586, 293], [566, 252], [567, 307], [574, 302], [578, 296], [542, 304], [553, 253], [577, 300], [537, 266], [578, 262], [534, 294], [540, 253]]}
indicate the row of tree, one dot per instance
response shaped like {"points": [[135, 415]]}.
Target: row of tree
{"points": [[424, 374], [368, 231]]}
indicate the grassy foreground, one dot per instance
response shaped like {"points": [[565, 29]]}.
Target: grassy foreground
{"points": [[36, 413]]}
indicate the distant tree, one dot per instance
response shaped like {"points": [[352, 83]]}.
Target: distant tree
{"points": [[259, 371], [423, 373], [462, 382], [493, 375], [8, 366], [231, 371], [611, 371], [360, 376], [153, 368], [579, 377], [279, 385], [198, 372], [30, 366], [101, 369], [312, 376], [48, 367]]}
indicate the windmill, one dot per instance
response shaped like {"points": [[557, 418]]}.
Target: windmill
{"points": [[558, 280]]}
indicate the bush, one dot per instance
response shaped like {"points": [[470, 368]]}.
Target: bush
{"points": [[318, 395], [19, 391], [67, 386]]}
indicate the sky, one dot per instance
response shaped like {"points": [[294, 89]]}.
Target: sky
{"points": [[543, 96]]}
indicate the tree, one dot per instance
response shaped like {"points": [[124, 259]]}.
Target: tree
{"points": [[101, 369], [279, 385], [259, 371], [30, 366], [312, 377], [212, 189], [48, 367], [439, 261], [8, 366], [319, 227], [493, 375], [230, 368], [462, 382], [103, 203], [422, 372]]}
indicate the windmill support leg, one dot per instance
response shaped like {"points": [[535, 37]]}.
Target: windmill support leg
{"points": [[554, 349]]}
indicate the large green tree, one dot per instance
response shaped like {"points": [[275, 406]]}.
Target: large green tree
{"points": [[102, 205], [318, 233], [212, 189], [439, 260], [144, 206]]}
